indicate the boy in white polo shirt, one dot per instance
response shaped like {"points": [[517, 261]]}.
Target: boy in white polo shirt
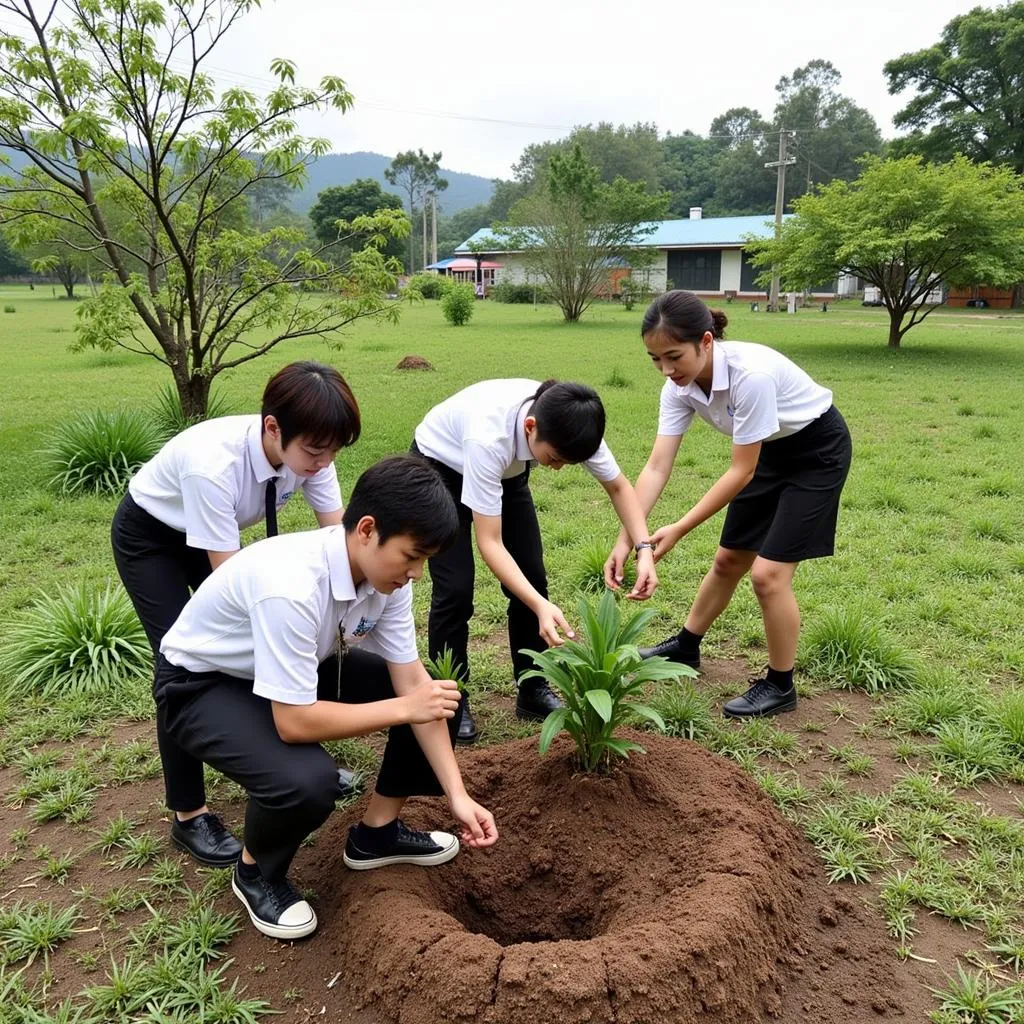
{"points": [[791, 454], [182, 517], [310, 637]]}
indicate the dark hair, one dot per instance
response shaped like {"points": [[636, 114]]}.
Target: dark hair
{"points": [[683, 317], [570, 417], [405, 495], [312, 400]]}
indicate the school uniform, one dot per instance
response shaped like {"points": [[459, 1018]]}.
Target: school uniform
{"points": [[283, 621], [789, 510], [477, 442], [196, 495]]}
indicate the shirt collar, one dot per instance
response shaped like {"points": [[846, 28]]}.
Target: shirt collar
{"points": [[261, 467], [336, 547], [719, 376], [521, 446]]}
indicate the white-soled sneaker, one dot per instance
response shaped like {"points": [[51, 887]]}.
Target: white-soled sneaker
{"points": [[275, 908], [409, 847]]}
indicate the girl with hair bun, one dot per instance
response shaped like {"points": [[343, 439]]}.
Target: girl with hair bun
{"points": [[484, 440], [791, 455]]}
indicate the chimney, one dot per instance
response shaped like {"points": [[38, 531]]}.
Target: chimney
{"points": [[696, 212]]}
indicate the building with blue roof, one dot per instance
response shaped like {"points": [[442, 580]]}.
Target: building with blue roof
{"points": [[702, 254]]}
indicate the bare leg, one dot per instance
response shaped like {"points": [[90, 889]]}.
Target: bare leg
{"points": [[773, 587], [717, 587], [383, 809]]}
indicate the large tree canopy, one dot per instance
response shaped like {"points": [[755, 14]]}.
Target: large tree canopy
{"points": [[129, 145], [906, 227], [969, 90], [574, 227], [338, 206]]}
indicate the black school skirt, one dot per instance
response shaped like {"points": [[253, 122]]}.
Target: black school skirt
{"points": [[789, 510]]}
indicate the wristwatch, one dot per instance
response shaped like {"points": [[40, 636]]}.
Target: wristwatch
{"points": [[644, 545]]}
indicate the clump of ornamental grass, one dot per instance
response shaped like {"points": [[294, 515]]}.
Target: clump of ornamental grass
{"points": [[170, 419], [99, 452], [78, 641], [598, 677]]}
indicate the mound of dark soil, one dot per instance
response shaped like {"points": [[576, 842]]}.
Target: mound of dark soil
{"points": [[414, 363], [670, 891]]}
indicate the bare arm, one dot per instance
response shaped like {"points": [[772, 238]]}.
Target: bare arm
{"points": [[329, 518], [631, 515], [220, 557]]}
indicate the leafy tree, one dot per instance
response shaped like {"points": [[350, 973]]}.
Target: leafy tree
{"points": [[743, 141], [906, 227], [832, 132], [573, 226], [689, 173], [363, 198], [12, 263], [128, 141], [417, 174], [969, 90]]}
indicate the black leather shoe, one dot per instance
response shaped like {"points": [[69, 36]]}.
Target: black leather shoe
{"points": [[535, 703], [673, 650], [207, 840], [763, 698], [468, 731], [275, 908], [349, 783]]}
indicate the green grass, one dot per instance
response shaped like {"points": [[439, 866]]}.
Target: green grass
{"points": [[919, 608]]}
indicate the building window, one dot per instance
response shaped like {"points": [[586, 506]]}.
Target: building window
{"points": [[698, 271]]}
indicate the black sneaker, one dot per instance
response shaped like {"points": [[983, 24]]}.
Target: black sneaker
{"points": [[673, 650], [535, 702], [468, 731], [275, 908], [206, 839], [762, 699], [408, 847]]}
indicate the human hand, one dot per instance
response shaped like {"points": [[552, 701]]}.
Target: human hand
{"points": [[646, 577], [432, 700], [550, 620], [478, 828], [615, 567], [665, 539]]}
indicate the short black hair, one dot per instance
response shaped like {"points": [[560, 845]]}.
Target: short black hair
{"points": [[405, 495], [312, 400], [570, 418]]}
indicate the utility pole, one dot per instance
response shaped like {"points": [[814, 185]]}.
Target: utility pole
{"points": [[433, 227], [780, 201], [424, 211]]}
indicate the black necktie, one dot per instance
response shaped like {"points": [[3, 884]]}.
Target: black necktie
{"points": [[271, 507]]}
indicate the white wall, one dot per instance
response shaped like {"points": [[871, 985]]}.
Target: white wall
{"points": [[513, 270]]}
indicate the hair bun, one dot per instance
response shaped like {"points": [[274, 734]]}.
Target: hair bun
{"points": [[719, 321]]}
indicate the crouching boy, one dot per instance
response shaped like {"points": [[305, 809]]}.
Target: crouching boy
{"points": [[309, 637]]}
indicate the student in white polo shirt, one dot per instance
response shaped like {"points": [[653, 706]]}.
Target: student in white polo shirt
{"points": [[182, 517], [310, 637], [791, 455], [484, 439]]}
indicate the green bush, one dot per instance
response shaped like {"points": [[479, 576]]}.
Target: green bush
{"points": [[508, 291], [98, 452], [633, 292], [76, 642], [9, 309], [457, 304], [170, 418], [429, 285], [597, 678]]}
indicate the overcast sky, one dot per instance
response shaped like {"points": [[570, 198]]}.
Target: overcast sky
{"points": [[481, 81]]}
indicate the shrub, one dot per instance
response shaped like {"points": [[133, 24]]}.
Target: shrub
{"points": [[98, 452], [633, 292], [457, 304], [9, 309], [76, 642], [170, 418], [597, 677], [430, 286], [509, 291], [846, 645]]}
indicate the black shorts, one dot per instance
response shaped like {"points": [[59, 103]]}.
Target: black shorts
{"points": [[788, 512]]}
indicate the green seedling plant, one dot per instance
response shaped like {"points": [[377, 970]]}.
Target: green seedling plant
{"points": [[598, 677], [444, 667]]}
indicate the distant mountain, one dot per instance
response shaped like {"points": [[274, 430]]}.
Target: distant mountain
{"points": [[343, 168]]}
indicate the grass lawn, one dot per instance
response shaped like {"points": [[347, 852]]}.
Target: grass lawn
{"points": [[915, 792]]}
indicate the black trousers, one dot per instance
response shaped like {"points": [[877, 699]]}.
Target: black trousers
{"points": [[452, 574], [292, 787], [160, 571]]}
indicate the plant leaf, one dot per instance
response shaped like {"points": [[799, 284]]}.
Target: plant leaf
{"points": [[552, 726], [601, 702]]}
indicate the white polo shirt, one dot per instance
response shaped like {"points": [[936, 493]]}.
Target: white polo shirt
{"points": [[271, 614], [757, 394], [479, 433], [209, 482]]}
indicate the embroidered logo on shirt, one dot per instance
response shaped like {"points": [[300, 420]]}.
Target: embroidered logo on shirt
{"points": [[365, 626], [282, 498], [730, 410]]}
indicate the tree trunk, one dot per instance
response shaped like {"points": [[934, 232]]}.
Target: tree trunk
{"points": [[895, 334], [69, 288], [194, 394]]}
